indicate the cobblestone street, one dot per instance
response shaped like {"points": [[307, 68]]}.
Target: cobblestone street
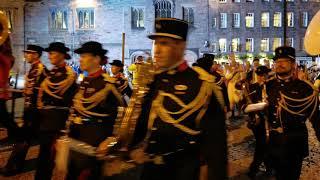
{"points": [[240, 147]]}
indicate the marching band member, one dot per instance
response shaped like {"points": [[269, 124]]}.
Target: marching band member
{"points": [[54, 100], [93, 113], [30, 128], [182, 120], [121, 81], [291, 103]]}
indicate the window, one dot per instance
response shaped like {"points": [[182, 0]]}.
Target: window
{"points": [[290, 19], [223, 45], [236, 1], [277, 19], [58, 20], [235, 45], [214, 47], [277, 0], [249, 0], [290, 42], [137, 18], [302, 44], [222, 1], [276, 43], [214, 22], [85, 18], [290, 0], [249, 45], [250, 20], [188, 15], [236, 20], [10, 15], [163, 9], [223, 20], [264, 45], [265, 19], [265, 0], [304, 19], [304, 0]]}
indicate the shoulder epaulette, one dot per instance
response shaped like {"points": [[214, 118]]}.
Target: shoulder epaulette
{"points": [[108, 78], [204, 75]]}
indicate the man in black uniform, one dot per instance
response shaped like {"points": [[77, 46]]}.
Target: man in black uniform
{"points": [[93, 113], [182, 122], [291, 103], [54, 100], [254, 94], [121, 81], [29, 131]]}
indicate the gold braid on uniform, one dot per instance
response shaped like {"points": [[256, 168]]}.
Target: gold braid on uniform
{"points": [[56, 90], [199, 103], [29, 82], [303, 104], [95, 99]]}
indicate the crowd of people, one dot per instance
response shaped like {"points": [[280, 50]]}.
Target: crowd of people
{"points": [[173, 127]]}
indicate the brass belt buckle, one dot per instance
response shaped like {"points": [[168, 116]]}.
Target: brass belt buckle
{"points": [[77, 120]]}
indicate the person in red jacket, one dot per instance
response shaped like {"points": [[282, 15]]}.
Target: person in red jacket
{"points": [[6, 62]]}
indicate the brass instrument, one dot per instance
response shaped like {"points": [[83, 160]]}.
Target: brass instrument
{"points": [[4, 28], [312, 38]]}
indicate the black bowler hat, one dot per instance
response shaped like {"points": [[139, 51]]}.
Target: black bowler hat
{"points": [[204, 63], [117, 63], [285, 52], [170, 27], [59, 47], [34, 49], [262, 70], [91, 47], [209, 56]]}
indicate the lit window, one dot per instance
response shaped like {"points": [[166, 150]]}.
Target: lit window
{"points": [[249, 45], [236, 20], [188, 15], [290, 42], [59, 20], [137, 16], [276, 43], [304, 19], [290, 0], [264, 45], [214, 22], [290, 19], [250, 20], [235, 45], [222, 1], [10, 15], [85, 18], [163, 9], [277, 22], [223, 45], [265, 19], [223, 20], [236, 1]]}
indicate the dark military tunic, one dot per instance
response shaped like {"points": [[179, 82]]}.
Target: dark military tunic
{"points": [[291, 103], [123, 85], [92, 121], [185, 126], [54, 100], [34, 78]]}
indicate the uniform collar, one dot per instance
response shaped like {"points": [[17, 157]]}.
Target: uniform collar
{"points": [[96, 74], [179, 67], [288, 79]]}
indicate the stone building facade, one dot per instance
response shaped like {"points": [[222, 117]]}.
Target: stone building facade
{"points": [[77, 21]]}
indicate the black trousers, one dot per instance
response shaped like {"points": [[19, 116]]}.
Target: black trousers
{"points": [[83, 166], [259, 157], [27, 134], [6, 120], [46, 155]]}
